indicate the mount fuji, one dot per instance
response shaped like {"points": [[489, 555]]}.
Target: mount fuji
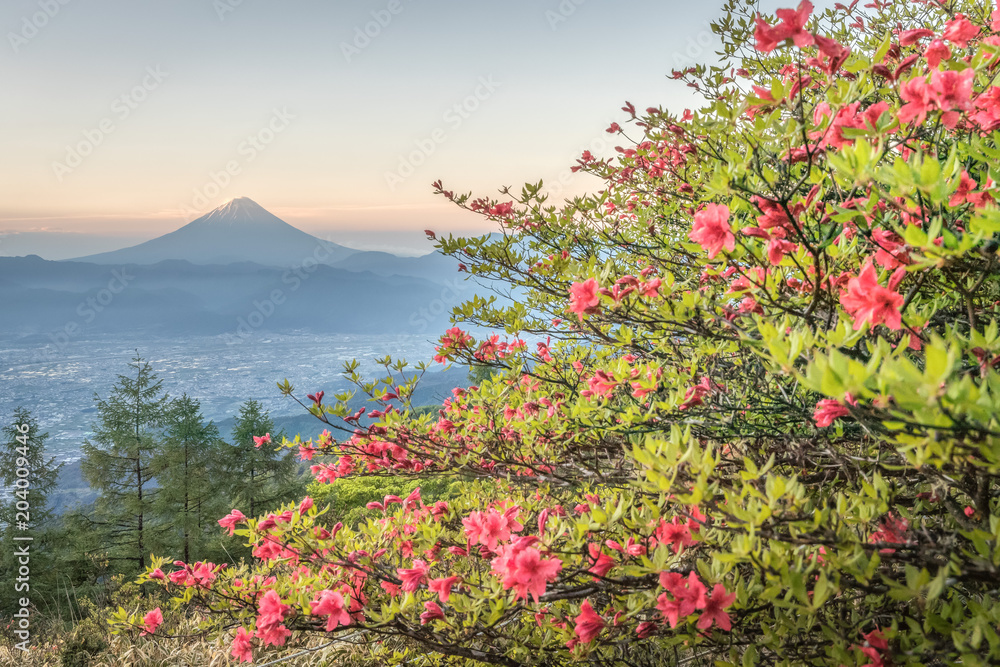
{"points": [[240, 230]]}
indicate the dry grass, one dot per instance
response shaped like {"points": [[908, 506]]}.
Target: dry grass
{"points": [[122, 651]]}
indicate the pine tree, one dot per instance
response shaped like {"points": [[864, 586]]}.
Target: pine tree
{"points": [[118, 463], [261, 476], [192, 483]]}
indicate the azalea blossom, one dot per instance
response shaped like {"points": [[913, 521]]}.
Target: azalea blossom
{"points": [[828, 410], [911, 37], [892, 530], [230, 520], [676, 533], [491, 528], [443, 587], [413, 577], [935, 52], [331, 604], [711, 230], [151, 621], [271, 614], [241, 649], [584, 297], [432, 612], [271, 609], [603, 563], [870, 303], [524, 569], [713, 610], [960, 30], [588, 624], [792, 27]]}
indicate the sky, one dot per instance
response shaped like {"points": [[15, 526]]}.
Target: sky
{"points": [[125, 119]]}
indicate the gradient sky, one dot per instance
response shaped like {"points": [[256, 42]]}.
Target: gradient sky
{"points": [[227, 66]]}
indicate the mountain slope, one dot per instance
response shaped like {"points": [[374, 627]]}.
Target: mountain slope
{"points": [[435, 266], [238, 231]]}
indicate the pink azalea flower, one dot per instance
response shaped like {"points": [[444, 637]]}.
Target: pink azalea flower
{"points": [[911, 37], [676, 532], [777, 248], [870, 303], [828, 410], [935, 52], [241, 646], [792, 27], [524, 569], [151, 621], [412, 578], [711, 229], [271, 610], [262, 440], [588, 624], [442, 587], [688, 595], [960, 30], [645, 629], [892, 531], [585, 298], [601, 384], [433, 612], [919, 100], [987, 114], [713, 609], [953, 89], [650, 289], [671, 609], [331, 604], [273, 635], [603, 563], [490, 528], [692, 596], [890, 253]]}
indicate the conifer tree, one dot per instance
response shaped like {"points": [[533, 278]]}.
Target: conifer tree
{"points": [[260, 475], [119, 461], [191, 483]]}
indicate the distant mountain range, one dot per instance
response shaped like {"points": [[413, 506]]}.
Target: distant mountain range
{"points": [[238, 231], [231, 272], [243, 231]]}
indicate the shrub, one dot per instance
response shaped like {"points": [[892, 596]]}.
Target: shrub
{"points": [[746, 412]]}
